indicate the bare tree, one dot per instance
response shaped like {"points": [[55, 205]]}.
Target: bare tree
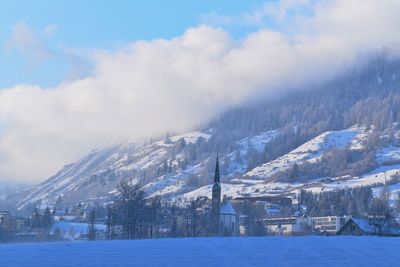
{"points": [[131, 205], [174, 220], [92, 229]]}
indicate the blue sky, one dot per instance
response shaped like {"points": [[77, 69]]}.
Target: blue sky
{"points": [[80, 25]]}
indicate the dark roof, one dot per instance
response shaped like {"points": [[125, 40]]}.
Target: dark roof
{"points": [[373, 226]]}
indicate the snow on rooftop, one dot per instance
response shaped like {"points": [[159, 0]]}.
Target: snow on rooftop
{"points": [[368, 226], [227, 209]]}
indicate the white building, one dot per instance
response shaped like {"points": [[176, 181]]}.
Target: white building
{"points": [[288, 226], [330, 224], [228, 220], [271, 209]]}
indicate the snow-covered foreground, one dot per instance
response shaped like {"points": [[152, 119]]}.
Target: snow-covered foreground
{"points": [[246, 251]]}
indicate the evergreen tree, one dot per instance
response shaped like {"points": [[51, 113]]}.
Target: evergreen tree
{"points": [[36, 220], [47, 219], [352, 209]]}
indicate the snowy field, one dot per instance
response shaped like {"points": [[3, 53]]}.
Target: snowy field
{"points": [[246, 251]]}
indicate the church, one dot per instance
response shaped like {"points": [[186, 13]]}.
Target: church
{"points": [[225, 218]]}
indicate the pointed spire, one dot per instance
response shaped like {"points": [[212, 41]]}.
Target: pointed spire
{"points": [[216, 176]]}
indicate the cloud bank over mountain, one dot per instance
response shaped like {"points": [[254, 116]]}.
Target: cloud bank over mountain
{"points": [[148, 88]]}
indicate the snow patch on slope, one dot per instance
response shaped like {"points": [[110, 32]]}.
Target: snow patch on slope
{"points": [[310, 151]]}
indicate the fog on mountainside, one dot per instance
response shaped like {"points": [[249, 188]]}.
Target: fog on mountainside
{"points": [[247, 137]]}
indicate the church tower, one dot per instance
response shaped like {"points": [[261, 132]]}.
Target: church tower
{"points": [[216, 192]]}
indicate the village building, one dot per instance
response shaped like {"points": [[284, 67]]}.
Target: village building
{"points": [[328, 224], [271, 209], [3, 216], [228, 220], [243, 222], [369, 226], [288, 225]]}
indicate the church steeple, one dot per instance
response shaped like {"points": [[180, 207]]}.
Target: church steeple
{"points": [[216, 196], [216, 175]]}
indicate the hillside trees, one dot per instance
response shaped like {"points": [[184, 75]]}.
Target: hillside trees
{"points": [[357, 201], [352, 201], [356, 98]]}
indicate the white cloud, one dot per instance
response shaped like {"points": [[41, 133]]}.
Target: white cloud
{"points": [[50, 30], [35, 48], [148, 88], [31, 44], [271, 13]]}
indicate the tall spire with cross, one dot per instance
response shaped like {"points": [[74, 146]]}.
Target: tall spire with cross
{"points": [[216, 175], [216, 196]]}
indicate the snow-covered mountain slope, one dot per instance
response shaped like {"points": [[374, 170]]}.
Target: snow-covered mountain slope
{"points": [[256, 181], [167, 168], [312, 151], [96, 176]]}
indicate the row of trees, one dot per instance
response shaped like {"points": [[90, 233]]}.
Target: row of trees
{"points": [[140, 218], [36, 227], [132, 216], [358, 201]]}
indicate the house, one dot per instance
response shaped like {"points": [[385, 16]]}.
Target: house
{"points": [[271, 209], [228, 220], [369, 226], [243, 222], [3, 216], [328, 224], [288, 225]]}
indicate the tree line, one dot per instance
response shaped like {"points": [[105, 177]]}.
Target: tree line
{"points": [[357, 202]]}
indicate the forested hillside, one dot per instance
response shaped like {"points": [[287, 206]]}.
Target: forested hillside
{"points": [[368, 96]]}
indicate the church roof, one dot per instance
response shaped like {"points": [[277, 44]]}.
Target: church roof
{"points": [[227, 209]]}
